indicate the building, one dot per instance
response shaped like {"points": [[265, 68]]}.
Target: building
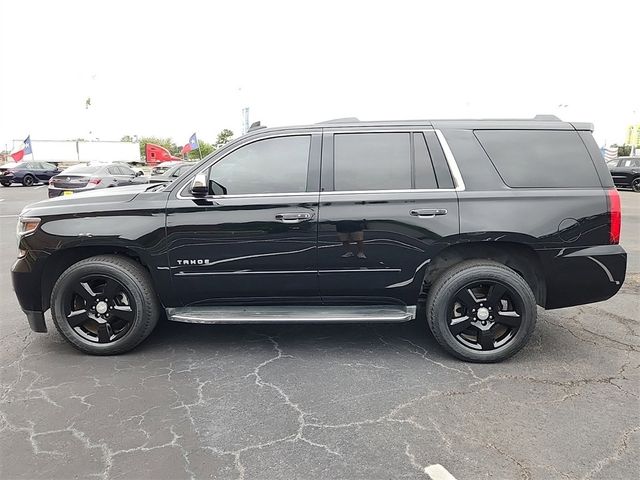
{"points": [[633, 135]]}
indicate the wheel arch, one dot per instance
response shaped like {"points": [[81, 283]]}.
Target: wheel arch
{"points": [[519, 257], [60, 260]]}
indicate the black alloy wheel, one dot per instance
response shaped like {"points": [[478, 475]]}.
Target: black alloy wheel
{"points": [[485, 315], [99, 309], [635, 184], [28, 181], [105, 305], [481, 311], [5, 184]]}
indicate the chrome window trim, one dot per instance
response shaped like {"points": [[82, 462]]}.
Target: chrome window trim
{"points": [[459, 185], [451, 161]]}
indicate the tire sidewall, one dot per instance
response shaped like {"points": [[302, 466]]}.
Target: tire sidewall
{"points": [[74, 274], [439, 311]]}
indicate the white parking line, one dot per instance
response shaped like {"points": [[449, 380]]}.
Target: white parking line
{"points": [[438, 472], [41, 186], [8, 216]]}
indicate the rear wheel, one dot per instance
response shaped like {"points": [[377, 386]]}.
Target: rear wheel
{"points": [[481, 311], [635, 184], [5, 184], [104, 305], [28, 180]]}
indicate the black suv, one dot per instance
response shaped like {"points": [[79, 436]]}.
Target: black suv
{"points": [[626, 173], [471, 223]]}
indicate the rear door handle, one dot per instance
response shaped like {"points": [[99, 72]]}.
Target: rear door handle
{"points": [[428, 212], [294, 217]]}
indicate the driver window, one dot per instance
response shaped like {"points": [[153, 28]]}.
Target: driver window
{"points": [[273, 165]]}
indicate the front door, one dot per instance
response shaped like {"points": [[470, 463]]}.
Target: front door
{"points": [[254, 238], [388, 204]]}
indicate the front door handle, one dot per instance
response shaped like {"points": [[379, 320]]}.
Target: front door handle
{"points": [[428, 212], [294, 217]]}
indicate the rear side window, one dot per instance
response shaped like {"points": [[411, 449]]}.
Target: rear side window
{"points": [[372, 161], [539, 158], [629, 162]]}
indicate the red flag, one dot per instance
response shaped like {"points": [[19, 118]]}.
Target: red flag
{"points": [[17, 156], [186, 149], [156, 154]]}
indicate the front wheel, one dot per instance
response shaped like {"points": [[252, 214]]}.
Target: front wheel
{"points": [[104, 305], [481, 311], [635, 184]]}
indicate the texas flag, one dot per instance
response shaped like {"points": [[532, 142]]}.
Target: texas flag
{"points": [[25, 150], [192, 145]]}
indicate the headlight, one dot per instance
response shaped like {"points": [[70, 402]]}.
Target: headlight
{"points": [[26, 225]]}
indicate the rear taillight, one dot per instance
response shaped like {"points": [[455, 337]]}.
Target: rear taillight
{"points": [[95, 181], [615, 216]]}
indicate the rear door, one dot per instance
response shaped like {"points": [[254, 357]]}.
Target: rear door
{"points": [[388, 204], [254, 238]]}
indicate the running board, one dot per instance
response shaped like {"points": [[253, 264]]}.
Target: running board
{"points": [[293, 314]]}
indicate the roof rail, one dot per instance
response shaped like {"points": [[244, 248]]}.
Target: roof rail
{"points": [[256, 126], [340, 120], [547, 118]]}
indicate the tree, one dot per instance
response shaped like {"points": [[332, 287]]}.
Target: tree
{"points": [[624, 150], [205, 149], [223, 137], [167, 143]]}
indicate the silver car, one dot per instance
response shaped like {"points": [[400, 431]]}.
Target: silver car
{"points": [[83, 178]]}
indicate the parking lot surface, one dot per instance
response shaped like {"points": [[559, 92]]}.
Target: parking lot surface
{"points": [[322, 401]]}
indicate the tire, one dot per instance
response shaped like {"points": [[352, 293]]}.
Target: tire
{"points": [[635, 184], [28, 180], [5, 184], [118, 300], [470, 317]]}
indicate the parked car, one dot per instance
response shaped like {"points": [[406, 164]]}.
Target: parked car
{"points": [[626, 173], [463, 225], [171, 173], [83, 178], [27, 173], [162, 167]]}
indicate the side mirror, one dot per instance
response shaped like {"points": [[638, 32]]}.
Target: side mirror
{"points": [[200, 185], [139, 173]]}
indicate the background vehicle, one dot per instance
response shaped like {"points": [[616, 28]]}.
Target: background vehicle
{"points": [[82, 178], [27, 173], [626, 173], [163, 167], [171, 173], [469, 223]]}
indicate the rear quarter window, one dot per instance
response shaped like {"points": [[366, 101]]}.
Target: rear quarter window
{"points": [[539, 158]]}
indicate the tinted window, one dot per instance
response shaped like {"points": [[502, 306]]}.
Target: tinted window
{"points": [[125, 170], [113, 170], [180, 170], [537, 158], [274, 165], [82, 169], [48, 166], [372, 161], [425, 176], [629, 162]]}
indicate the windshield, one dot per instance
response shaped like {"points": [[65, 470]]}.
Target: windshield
{"points": [[82, 169]]}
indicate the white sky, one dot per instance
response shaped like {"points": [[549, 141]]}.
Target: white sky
{"points": [[169, 68]]}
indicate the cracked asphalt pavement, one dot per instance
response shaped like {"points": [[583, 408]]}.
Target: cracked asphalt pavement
{"points": [[318, 401]]}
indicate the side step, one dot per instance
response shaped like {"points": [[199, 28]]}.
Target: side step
{"points": [[293, 314]]}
